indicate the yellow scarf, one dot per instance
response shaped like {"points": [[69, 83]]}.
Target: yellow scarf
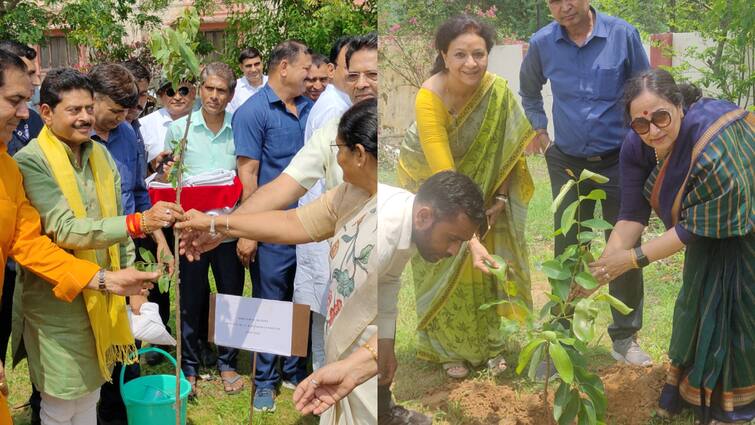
{"points": [[107, 313]]}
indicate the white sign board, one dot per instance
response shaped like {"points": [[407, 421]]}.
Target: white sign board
{"points": [[254, 324]]}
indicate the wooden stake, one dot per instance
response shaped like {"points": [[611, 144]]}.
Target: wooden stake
{"points": [[254, 370]]}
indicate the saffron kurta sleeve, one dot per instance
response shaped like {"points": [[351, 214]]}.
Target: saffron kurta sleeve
{"points": [[432, 122], [32, 250]]}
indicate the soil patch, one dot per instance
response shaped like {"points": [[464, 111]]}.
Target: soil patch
{"points": [[632, 394]]}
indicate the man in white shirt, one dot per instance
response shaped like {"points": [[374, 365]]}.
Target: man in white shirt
{"points": [[335, 100], [176, 104], [318, 78], [448, 210], [250, 63]]}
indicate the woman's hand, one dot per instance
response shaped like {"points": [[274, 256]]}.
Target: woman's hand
{"points": [[194, 243], [196, 221], [494, 211], [162, 214], [125, 282], [136, 302], [481, 259], [164, 256], [612, 265], [324, 388]]}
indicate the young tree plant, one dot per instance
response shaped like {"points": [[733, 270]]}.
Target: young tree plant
{"points": [[564, 328], [173, 49]]}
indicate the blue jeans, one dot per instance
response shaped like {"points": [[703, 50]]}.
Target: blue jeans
{"points": [[272, 274]]}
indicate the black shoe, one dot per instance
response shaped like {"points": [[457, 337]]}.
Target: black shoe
{"points": [[207, 357], [401, 416]]}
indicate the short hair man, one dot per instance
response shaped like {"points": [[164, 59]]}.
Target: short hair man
{"points": [[334, 101], [209, 148], [446, 211], [30, 127], [176, 103], [587, 56], [21, 235], [251, 65], [268, 130], [318, 78]]}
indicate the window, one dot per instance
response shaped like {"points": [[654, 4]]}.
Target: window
{"points": [[217, 39], [55, 52]]}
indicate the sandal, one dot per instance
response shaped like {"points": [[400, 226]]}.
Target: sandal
{"points": [[497, 365], [229, 384], [193, 381], [456, 370]]}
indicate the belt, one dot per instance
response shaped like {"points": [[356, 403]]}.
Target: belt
{"points": [[595, 158]]}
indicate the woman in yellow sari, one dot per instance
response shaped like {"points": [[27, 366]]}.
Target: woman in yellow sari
{"points": [[468, 120]]}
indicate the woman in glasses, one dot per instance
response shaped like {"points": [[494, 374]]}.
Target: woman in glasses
{"points": [[469, 120], [690, 159]]}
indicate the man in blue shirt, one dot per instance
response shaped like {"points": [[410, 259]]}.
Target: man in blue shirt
{"points": [[587, 56], [268, 130], [115, 92]]}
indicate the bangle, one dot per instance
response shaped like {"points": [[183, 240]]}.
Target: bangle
{"points": [[101, 282], [634, 259], [134, 225], [502, 197], [143, 223], [372, 350], [212, 226], [227, 228]]}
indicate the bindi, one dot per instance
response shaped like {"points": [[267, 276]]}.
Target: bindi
{"points": [[645, 112]]}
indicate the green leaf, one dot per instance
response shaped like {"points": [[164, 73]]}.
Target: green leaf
{"points": [[555, 270], [561, 400], [190, 58], [583, 323], [550, 336], [526, 354], [163, 283], [615, 303], [492, 303], [571, 409], [598, 398], [597, 178], [537, 357], [561, 288], [567, 218], [587, 236], [562, 362], [586, 280], [597, 224], [546, 309], [588, 408], [500, 272], [562, 194], [146, 255], [595, 195]]}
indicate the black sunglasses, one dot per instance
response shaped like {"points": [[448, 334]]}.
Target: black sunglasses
{"points": [[183, 91], [660, 119]]}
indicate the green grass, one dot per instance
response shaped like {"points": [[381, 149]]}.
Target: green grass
{"points": [[415, 379], [212, 407]]}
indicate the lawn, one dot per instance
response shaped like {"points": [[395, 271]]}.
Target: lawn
{"points": [[212, 407], [423, 386]]}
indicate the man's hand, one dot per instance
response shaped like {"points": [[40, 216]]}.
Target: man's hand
{"points": [[387, 363], [125, 282], [164, 256], [136, 302], [194, 243], [246, 250], [540, 143]]}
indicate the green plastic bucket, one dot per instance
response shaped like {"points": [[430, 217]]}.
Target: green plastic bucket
{"points": [[151, 400]]}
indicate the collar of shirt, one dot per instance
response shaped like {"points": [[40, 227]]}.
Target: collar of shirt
{"points": [[244, 83], [272, 97], [197, 120], [599, 29]]}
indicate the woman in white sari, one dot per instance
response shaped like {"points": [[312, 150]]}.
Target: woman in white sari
{"points": [[345, 390]]}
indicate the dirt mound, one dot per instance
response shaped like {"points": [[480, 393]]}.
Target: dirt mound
{"points": [[632, 398], [632, 393]]}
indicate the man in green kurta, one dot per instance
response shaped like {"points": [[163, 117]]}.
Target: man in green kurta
{"points": [[62, 342]]}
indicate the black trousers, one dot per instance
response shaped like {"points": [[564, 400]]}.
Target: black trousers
{"points": [[627, 287], [6, 308], [229, 279]]}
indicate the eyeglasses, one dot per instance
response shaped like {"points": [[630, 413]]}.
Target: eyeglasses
{"points": [[353, 77], [660, 119], [183, 91]]}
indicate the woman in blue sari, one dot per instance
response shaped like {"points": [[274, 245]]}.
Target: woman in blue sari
{"points": [[690, 159]]}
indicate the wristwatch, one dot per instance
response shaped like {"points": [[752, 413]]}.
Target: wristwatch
{"points": [[642, 260], [101, 282]]}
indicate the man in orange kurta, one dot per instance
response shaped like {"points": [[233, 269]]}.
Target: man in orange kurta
{"points": [[20, 230]]}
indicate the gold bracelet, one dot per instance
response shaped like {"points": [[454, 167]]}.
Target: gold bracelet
{"points": [[372, 351], [634, 259], [145, 229]]}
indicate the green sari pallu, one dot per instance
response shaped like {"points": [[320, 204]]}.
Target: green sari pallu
{"points": [[487, 140]]}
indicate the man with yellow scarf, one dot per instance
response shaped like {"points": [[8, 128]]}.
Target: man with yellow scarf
{"points": [[20, 236], [74, 184]]}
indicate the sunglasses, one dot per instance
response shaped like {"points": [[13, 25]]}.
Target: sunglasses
{"points": [[183, 91], [660, 119]]}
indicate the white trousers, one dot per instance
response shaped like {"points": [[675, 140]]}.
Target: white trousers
{"points": [[318, 340], [81, 411]]}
